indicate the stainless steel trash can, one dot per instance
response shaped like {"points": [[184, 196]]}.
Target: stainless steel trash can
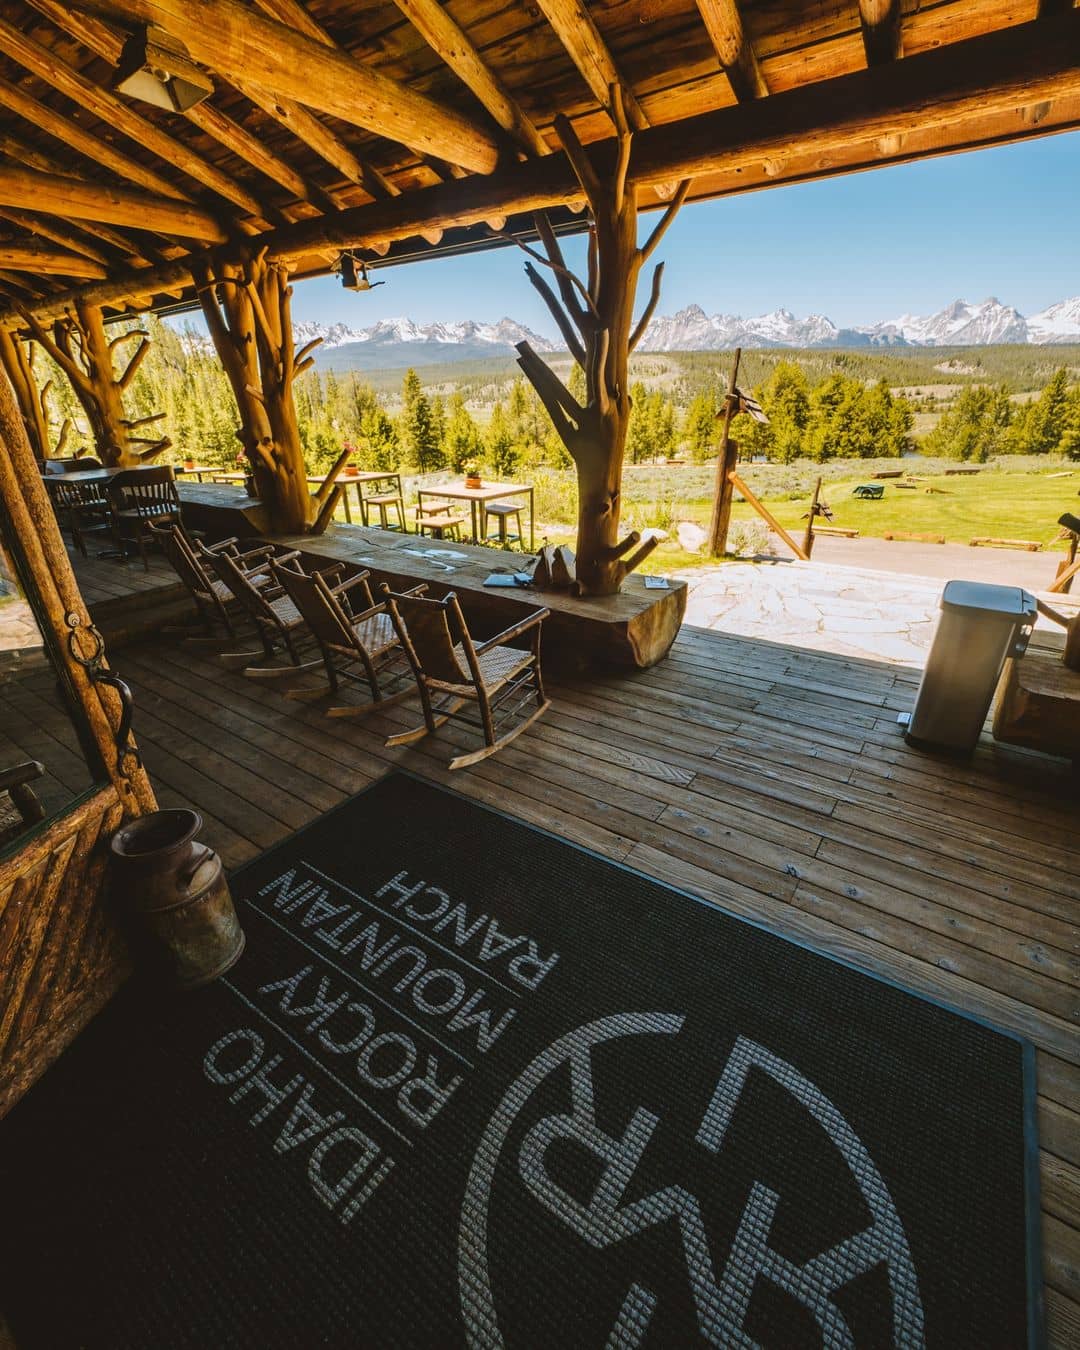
{"points": [[980, 625]]}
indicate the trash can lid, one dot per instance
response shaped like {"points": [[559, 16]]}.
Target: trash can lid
{"points": [[1001, 601]]}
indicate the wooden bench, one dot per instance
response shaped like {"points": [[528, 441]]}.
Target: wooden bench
{"points": [[1038, 704]]}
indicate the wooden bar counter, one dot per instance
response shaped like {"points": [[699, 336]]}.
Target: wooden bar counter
{"points": [[631, 630]]}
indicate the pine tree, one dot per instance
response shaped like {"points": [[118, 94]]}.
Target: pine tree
{"points": [[502, 452], [975, 427], [463, 445], [417, 427]]}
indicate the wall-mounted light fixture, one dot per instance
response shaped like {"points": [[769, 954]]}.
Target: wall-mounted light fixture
{"points": [[155, 67], [354, 275]]}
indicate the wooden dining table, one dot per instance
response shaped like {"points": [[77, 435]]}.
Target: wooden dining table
{"points": [[478, 499]]}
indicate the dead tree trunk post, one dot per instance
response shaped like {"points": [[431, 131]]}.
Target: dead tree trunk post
{"points": [[79, 346], [247, 306], [725, 467], [596, 319], [17, 360]]}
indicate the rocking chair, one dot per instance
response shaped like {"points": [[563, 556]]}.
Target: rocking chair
{"points": [[213, 599], [351, 630], [19, 804], [500, 679], [277, 620]]}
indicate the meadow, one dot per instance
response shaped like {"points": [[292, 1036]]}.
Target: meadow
{"points": [[1015, 497]]}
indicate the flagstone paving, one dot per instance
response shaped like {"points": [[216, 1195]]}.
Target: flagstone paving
{"points": [[850, 611]]}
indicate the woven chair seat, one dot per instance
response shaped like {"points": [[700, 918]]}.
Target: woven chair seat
{"points": [[286, 611], [497, 665], [376, 633]]}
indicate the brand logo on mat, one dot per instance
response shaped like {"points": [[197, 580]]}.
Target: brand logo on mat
{"points": [[608, 1216]]}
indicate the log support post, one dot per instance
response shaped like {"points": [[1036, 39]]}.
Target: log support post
{"points": [[596, 319], [17, 359], [81, 348], [247, 306], [725, 469]]}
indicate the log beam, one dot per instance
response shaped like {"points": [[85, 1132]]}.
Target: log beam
{"points": [[308, 129], [47, 66], [882, 31], [733, 48], [575, 29], [72, 199], [77, 138], [317, 136], [227, 36], [453, 45], [948, 92], [67, 239], [37, 258], [107, 43]]}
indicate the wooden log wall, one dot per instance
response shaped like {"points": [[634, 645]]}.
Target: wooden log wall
{"points": [[61, 951]]}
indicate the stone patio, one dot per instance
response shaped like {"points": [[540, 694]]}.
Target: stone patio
{"points": [[850, 611]]}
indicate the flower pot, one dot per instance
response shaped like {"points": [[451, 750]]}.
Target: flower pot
{"points": [[351, 471], [189, 464], [175, 891], [473, 481]]}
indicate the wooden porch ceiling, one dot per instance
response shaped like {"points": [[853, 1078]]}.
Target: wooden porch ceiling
{"points": [[409, 127]]}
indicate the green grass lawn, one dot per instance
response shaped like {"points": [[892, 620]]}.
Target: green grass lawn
{"points": [[1012, 498]]}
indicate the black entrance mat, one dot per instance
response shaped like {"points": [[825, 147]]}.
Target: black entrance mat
{"points": [[471, 1085]]}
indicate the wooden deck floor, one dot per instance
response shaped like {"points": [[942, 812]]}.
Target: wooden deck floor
{"points": [[765, 778]]}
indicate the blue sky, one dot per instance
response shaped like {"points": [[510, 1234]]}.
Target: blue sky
{"points": [[860, 248]]}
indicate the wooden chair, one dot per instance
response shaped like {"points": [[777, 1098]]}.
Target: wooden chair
{"points": [[449, 667], [83, 507], [439, 521], [141, 498], [214, 602], [19, 804], [278, 622], [351, 630]]}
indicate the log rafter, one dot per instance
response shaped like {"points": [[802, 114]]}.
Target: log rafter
{"points": [[733, 48], [233, 40], [579, 35], [70, 134], [105, 42], [113, 112], [305, 125], [73, 199], [882, 30], [40, 259], [66, 238], [453, 45]]}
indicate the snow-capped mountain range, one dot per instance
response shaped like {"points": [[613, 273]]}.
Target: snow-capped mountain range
{"points": [[401, 341], [957, 325]]}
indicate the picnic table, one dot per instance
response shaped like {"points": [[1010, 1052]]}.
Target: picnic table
{"points": [[478, 499]]}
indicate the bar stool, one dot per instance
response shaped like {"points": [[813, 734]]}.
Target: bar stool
{"points": [[386, 502], [502, 511], [440, 521]]}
